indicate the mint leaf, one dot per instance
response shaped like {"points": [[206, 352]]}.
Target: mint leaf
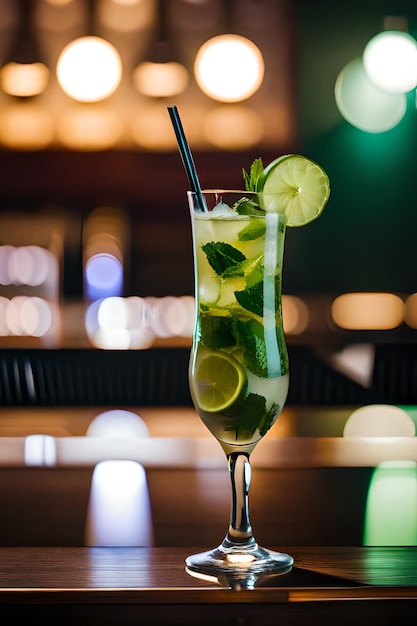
{"points": [[215, 331], [245, 416], [248, 206], [252, 231], [246, 180], [249, 414], [268, 419], [250, 335], [252, 298], [251, 268], [222, 256], [251, 179]]}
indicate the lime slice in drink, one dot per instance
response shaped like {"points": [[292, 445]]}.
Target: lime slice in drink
{"points": [[299, 187], [219, 380]]}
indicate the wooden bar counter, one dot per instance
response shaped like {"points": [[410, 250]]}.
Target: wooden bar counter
{"points": [[106, 585]]}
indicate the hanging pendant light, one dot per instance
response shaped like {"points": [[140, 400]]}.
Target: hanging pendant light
{"points": [[89, 68], [229, 67], [160, 74], [24, 74]]}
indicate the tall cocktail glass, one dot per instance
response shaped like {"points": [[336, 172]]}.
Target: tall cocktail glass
{"points": [[239, 370]]}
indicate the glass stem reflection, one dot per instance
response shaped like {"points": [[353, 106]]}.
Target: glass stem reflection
{"points": [[240, 529]]}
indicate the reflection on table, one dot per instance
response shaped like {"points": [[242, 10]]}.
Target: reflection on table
{"points": [[327, 585]]}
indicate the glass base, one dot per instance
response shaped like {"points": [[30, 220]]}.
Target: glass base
{"points": [[234, 562]]}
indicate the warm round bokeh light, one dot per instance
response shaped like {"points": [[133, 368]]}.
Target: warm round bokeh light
{"points": [[295, 315], [229, 68], [160, 80], [126, 16], [233, 127], [368, 311], [24, 79], [89, 69], [410, 314], [26, 126], [152, 129], [89, 127]]}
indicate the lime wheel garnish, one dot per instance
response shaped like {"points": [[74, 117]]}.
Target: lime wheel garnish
{"points": [[294, 185]]}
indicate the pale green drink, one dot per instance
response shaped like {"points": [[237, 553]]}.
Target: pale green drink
{"points": [[239, 362]]}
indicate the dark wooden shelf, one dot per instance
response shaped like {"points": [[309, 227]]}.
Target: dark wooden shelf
{"points": [[147, 179]]}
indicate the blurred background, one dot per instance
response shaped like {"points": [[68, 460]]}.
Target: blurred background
{"points": [[95, 240], [96, 268]]}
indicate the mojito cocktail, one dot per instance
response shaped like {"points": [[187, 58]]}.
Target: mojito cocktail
{"points": [[239, 370]]}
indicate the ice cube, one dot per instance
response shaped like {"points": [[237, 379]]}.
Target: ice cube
{"points": [[222, 210]]}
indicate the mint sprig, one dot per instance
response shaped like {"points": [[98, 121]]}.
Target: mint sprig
{"points": [[251, 179]]}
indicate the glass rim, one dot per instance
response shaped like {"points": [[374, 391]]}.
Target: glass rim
{"points": [[219, 190], [229, 191]]}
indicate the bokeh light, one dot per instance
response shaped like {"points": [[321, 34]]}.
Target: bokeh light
{"points": [[89, 127], [89, 69], [135, 322], [410, 313], [117, 423], [28, 316], [24, 80], [229, 68], [367, 311], [26, 265], [26, 126], [169, 317], [104, 249], [151, 128], [295, 315], [379, 420], [103, 276], [391, 505], [363, 104], [119, 323], [233, 127], [390, 61], [119, 511], [40, 450], [160, 80]]}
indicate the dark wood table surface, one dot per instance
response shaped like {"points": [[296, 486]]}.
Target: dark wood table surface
{"points": [[105, 585]]}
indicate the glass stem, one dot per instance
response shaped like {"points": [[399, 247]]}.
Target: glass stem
{"points": [[239, 534]]}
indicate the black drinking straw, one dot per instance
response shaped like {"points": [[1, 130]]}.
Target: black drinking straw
{"points": [[186, 156]]}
